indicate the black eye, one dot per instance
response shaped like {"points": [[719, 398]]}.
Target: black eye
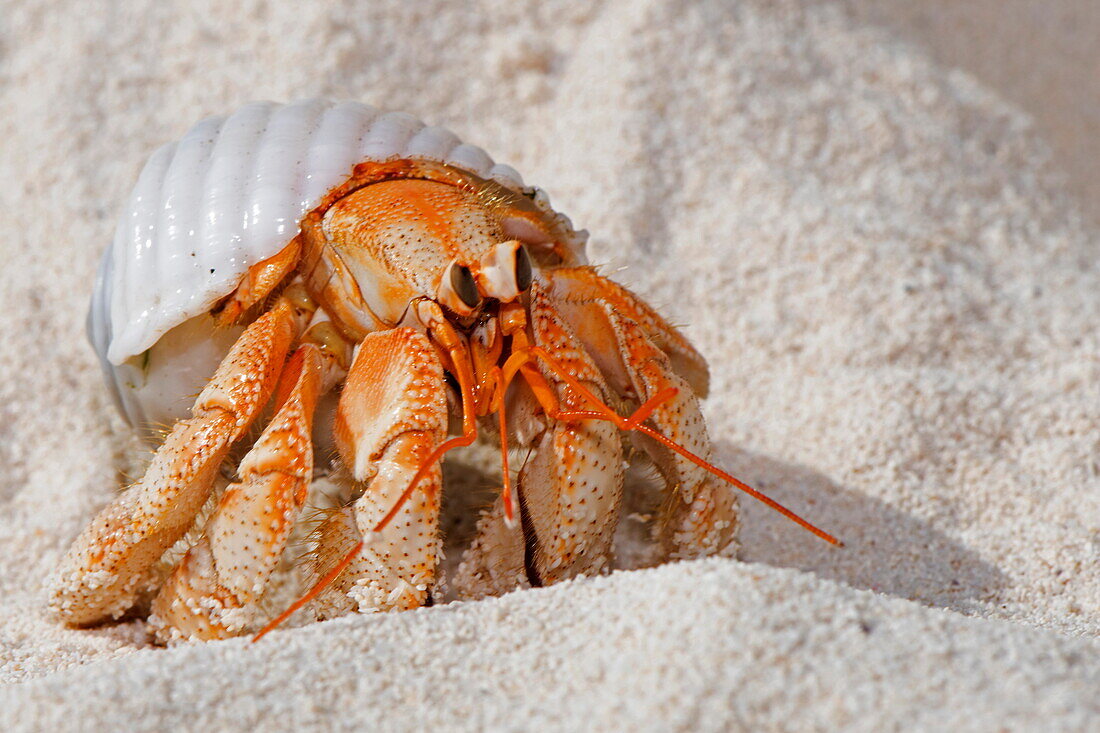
{"points": [[462, 282], [523, 270]]}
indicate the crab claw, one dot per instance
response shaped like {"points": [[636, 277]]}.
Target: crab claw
{"points": [[569, 491]]}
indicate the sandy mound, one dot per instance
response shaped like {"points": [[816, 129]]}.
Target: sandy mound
{"points": [[898, 305]]}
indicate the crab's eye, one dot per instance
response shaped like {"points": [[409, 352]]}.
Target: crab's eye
{"points": [[523, 269], [462, 282]]}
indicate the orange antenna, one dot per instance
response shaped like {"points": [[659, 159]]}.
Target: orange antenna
{"points": [[603, 412], [520, 361]]}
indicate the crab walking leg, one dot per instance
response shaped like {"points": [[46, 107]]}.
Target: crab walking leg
{"points": [[391, 416], [213, 591], [569, 489], [110, 563], [499, 560], [574, 289], [700, 517]]}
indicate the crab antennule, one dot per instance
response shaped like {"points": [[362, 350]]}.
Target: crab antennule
{"points": [[634, 423]]}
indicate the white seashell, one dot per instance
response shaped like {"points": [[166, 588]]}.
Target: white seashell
{"points": [[228, 195]]}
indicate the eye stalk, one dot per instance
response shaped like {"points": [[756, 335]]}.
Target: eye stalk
{"points": [[505, 271], [523, 269], [464, 286]]}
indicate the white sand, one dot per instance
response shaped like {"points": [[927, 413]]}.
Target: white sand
{"points": [[898, 301], [1040, 54]]}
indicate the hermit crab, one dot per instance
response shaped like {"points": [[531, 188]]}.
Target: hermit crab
{"points": [[357, 283]]}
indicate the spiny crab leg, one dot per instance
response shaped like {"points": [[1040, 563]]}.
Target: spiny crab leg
{"points": [[520, 361], [390, 426], [259, 281], [570, 486], [455, 348], [579, 293], [213, 591], [503, 377], [110, 563]]}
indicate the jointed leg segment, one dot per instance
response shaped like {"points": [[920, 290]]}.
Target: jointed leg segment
{"points": [[213, 591], [391, 418], [110, 563], [700, 515]]}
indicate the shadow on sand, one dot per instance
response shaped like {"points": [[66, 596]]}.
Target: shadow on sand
{"points": [[886, 550]]}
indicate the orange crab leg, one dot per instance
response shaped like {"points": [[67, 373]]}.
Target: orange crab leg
{"points": [[259, 281], [462, 373], [214, 590], [504, 376], [603, 412], [456, 350], [111, 562]]}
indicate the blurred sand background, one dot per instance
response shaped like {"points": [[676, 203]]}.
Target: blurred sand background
{"points": [[1041, 56], [876, 219]]}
